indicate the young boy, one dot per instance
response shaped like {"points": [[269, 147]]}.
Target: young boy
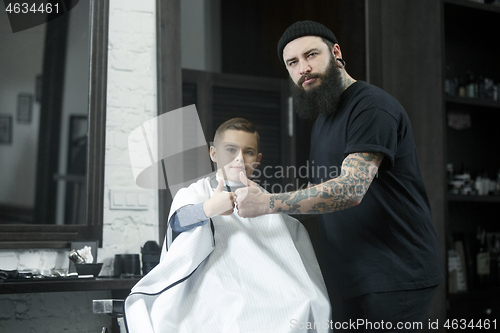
{"points": [[224, 273], [236, 149]]}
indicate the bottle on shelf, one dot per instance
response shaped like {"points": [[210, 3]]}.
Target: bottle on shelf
{"points": [[495, 259], [489, 88], [481, 89], [486, 183], [451, 82], [462, 83], [461, 183], [482, 260], [478, 185], [497, 190], [471, 86], [449, 172], [492, 186]]}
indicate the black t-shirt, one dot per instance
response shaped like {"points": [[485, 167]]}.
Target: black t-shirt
{"points": [[388, 241]]}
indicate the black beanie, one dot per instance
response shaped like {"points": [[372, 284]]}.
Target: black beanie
{"points": [[304, 28]]}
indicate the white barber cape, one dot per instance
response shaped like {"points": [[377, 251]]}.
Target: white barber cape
{"points": [[239, 275]]}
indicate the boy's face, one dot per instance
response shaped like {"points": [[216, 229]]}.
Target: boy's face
{"points": [[236, 152]]}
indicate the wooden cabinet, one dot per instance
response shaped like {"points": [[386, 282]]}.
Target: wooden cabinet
{"points": [[471, 146]]}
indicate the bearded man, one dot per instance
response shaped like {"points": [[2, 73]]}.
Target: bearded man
{"points": [[375, 221]]}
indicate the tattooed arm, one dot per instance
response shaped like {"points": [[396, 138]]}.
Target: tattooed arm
{"points": [[347, 190]]}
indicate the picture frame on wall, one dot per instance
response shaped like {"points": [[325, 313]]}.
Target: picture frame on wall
{"points": [[24, 108], [5, 129]]}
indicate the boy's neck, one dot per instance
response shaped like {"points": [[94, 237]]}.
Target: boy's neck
{"points": [[233, 185]]}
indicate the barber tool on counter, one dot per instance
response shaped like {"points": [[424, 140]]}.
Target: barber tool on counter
{"points": [[84, 262], [150, 256], [127, 265]]}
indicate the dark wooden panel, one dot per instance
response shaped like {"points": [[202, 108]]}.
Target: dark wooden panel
{"points": [[28, 236], [251, 30], [97, 121], [35, 245], [189, 95], [263, 108], [61, 285], [15, 215], [405, 59], [263, 101], [40, 236], [169, 83]]}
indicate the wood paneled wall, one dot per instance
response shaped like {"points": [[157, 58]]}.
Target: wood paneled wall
{"points": [[405, 53]]}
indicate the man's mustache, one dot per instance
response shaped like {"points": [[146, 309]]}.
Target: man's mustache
{"points": [[307, 77]]}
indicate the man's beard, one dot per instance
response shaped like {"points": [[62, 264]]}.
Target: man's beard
{"points": [[320, 100]]}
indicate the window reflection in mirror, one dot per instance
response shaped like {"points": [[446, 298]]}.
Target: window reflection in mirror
{"points": [[44, 91]]}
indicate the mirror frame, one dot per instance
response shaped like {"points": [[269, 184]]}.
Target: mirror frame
{"points": [[31, 236]]}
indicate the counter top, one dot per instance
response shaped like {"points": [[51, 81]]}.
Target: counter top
{"points": [[62, 285]]}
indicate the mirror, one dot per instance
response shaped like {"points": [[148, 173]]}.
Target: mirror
{"points": [[54, 128]]}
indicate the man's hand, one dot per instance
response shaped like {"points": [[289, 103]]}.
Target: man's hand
{"points": [[220, 203], [250, 200]]}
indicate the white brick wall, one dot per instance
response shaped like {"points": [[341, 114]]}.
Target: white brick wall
{"points": [[131, 101]]}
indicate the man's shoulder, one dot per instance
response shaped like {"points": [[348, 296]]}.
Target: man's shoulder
{"points": [[372, 92], [369, 96]]}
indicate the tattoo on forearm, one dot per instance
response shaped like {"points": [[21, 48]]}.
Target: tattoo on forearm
{"points": [[358, 171]]}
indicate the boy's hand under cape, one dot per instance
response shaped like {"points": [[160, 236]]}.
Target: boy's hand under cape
{"points": [[220, 203], [250, 200]]}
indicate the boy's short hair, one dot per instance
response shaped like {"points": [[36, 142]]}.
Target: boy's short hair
{"points": [[239, 124]]}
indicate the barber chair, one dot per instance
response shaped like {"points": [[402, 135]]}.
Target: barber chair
{"points": [[110, 307], [191, 141]]}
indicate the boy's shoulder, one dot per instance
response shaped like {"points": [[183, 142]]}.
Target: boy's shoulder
{"points": [[200, 187], [195, 193]]}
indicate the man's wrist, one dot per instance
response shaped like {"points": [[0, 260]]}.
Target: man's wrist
{"points": [[270, 206]]}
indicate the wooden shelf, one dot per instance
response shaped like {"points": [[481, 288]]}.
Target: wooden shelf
{"points": [[474, 5], [491, 292], [473, 198], [473, 102], [84, 284]]}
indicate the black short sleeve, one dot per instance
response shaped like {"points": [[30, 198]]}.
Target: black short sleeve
{"points": [[388, 241], [373, 130]]}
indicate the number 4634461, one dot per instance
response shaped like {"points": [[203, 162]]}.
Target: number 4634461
{"points": [[25, 8], [484, 324]]}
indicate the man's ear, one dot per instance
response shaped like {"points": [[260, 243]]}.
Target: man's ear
{"points": [[336, 51], [259, 157], [213, 156]]}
